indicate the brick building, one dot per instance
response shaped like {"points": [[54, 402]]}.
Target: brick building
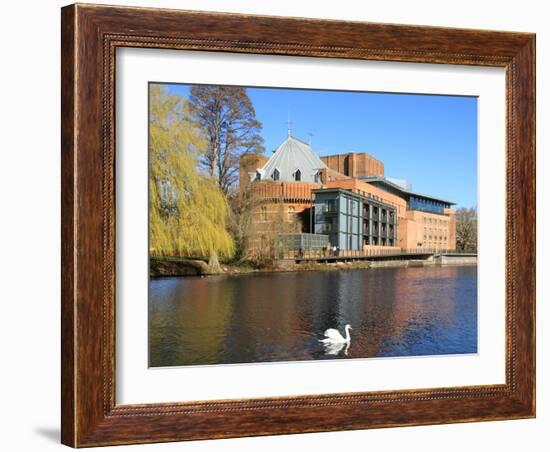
{"points": [[345, 197]]}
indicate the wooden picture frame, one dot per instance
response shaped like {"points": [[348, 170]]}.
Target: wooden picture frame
{"points": [[90, 36]]}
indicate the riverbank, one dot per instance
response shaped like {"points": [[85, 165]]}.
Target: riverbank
{"points": [[174, 266]]}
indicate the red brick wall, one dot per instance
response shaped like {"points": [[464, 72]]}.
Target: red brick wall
{"points": [[286, 191], [451, 213], [355, 165], [335, 162], [287, 200], [440, 230]]}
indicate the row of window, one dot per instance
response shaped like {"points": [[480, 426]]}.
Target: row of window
{"points": [[435, 229], [263, 212], [442, 238], [376, 241], [370, 196], [434, 245], [435, 233], [434, 237], [435, 221], [296, 175]]}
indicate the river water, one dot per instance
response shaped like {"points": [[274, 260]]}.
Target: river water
{"points": [[282, 316]]}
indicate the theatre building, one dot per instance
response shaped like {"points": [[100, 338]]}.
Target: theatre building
{"points": [[342, 201]]}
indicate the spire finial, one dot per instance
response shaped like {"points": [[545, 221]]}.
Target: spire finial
{"points": [[310, 137], [289, 124]]}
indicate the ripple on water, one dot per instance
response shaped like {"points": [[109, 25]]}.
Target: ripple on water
{"points": [[281, 316]]}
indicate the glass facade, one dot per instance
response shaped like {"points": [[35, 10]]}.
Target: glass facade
{"points": [[415, 201], [352, 221], [427, 205]]}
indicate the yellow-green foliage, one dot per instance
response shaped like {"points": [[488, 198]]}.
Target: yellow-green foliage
{"points": [[189, 219]]}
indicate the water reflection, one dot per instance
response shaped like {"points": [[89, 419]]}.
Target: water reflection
{"points": [[335, 348], [282, 316]]}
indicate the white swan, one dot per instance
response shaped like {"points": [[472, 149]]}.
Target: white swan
{"points": [[333, 336]]}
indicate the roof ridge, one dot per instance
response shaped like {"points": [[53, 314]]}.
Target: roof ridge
{"points": [[385, 180], [291, 155], [301, 141]]}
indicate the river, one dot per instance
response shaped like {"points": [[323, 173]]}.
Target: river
{"points": [[281, 316]]}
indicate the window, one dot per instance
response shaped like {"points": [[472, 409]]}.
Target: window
{"points": [[276, 174], [290, 211], [258, 176], [297, 175], [316, 178], [263, 213]]}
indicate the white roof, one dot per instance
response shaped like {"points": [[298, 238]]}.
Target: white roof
{"points": [[293, 154], [404, 184]]}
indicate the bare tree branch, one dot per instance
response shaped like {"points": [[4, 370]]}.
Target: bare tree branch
{"points": [[227, 117]]}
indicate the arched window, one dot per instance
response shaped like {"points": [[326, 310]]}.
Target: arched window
{"points": [[291, 210], [258, 176], [263, 213], [276, 174], [297, 175]]}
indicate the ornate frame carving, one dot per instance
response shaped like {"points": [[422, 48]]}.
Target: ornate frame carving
{"points": [[90, 36]]}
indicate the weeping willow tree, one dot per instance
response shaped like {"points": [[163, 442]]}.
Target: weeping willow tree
{"points": [[187, 210]]}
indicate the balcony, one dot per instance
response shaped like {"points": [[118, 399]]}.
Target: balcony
{"points": [[327, 210], [326, 228]]}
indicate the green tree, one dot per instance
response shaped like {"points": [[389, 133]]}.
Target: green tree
{"points": [[228, 120], [188, 212], [466, 229]]}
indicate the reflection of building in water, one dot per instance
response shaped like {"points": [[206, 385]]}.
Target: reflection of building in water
{"points": [[344, 197], [419, 304], [432, 313]]}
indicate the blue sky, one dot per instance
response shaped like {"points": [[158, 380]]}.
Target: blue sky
{"points": [[431, 141]]}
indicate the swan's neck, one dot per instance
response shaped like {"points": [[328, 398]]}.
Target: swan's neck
{"points": [[347, 334]]}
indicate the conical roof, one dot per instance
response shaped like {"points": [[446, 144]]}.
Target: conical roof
{"points": [[293, 155]]}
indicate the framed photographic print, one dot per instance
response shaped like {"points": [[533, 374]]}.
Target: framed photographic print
{"points": [[281, 225]]}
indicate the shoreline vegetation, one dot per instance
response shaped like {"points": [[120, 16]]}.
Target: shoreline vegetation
{"points": [[161, 267], [203, 208]]}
